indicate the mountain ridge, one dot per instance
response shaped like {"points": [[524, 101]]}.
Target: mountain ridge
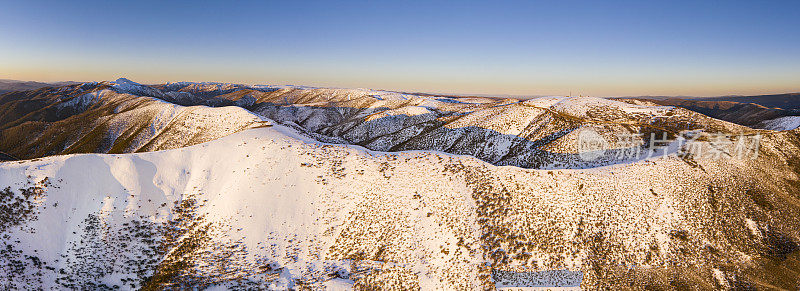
{"points": [[535, 133]]}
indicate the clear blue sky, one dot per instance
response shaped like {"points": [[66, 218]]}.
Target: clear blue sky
{"points": [[605, 48]]}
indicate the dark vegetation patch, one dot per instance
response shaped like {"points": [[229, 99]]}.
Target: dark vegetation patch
{"points": [[194, 259], [20, 270], [682, 235], [17, 209], [760, 198], [776, 245], [104, 250], [389, 279]]}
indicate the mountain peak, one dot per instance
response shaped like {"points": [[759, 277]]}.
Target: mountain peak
{"points": [[126, 81], [124, 85]]}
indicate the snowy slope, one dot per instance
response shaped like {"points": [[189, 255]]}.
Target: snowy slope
{"points": [[781, 123], [268, 207], [289, 205], [104, 120]]}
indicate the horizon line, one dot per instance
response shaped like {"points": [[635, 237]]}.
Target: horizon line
{"points": [[434, 93]]}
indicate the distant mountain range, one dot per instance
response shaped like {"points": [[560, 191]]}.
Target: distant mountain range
{"points": [[788, 101], [754, 111], [15, 85]]}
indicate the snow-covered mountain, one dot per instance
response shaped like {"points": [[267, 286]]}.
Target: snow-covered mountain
{"points": [[751, 111], [781, 123], [106, 118], [289, 187], [539, 133]]}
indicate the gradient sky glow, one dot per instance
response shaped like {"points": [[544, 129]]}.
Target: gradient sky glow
{"points": [[601, 48]]}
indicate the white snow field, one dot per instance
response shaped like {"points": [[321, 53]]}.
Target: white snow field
{"points": [[254, 203], [781, 123], [290, 211]]}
